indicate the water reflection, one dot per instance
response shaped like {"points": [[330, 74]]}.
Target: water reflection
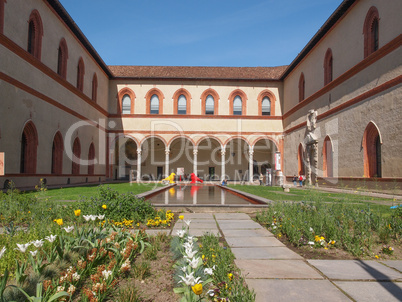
{"points": [[197, 195]]}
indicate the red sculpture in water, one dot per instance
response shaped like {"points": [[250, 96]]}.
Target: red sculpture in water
{"points": [[194, 178]]}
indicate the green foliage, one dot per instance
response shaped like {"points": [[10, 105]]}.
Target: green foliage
{"points": [[227, 279], [129, 294], [118, 206], [350, 227]]}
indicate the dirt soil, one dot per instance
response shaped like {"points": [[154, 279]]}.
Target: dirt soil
{"points": [[157, 286]]}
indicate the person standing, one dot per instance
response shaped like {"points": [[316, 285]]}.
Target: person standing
{"points": [[295, 180], [301, 180], [261, 179]]}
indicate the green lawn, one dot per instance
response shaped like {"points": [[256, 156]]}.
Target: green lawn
{"points": [[76, 193], [277, 194]]}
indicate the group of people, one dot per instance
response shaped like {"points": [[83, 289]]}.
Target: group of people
{"points": [[298, 179]]}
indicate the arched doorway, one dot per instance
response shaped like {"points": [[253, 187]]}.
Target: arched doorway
{"points": [[372, 151], [91, 158], [29, 145], [153, 158], [76, 164], [237, 159], [264, 154], [327, 156], [209, 159], [300, 160], [181, 156], [125, 158], [57, 154]]}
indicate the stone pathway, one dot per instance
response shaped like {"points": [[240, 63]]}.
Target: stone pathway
{"points": [[278, 274]]}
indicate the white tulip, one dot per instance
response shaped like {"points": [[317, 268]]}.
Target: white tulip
{"points": [[23, 247], [51, 238], [194, 262], [69, 229], [33, 253], [3, 250], [37, 243]]}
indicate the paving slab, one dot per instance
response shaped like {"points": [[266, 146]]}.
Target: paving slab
{"points": [[252, 241], [156, 232], [202, 232], [248, 233], [197, 216], [276, 269], [265, 253], [197, 224], [238, 224], [296, 291], [355, 270], [372, 291], [232, 216], [396, 264]]}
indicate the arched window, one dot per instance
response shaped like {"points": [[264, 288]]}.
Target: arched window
{"points": [[75, 169], [2, 16], [327, 158], [154, 101], [266, 103], [209, 102], [182, 102], [266, 106], [91, 157], [182, 105], [328, 63], [371, 31], [209, 105], [372, 151], [94, 87], [154, 104], [57, 154], [126, 104], [300, 160], [80, 74], [29, 145], [125, 101], [237, 102], [302, 86], [237, 105], [35, 33], [62, 59]]}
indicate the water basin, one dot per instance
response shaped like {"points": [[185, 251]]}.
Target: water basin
{"points": [[198, 195]]}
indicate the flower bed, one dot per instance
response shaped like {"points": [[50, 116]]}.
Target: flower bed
{"points": [[206, 271], [358, 231], [73, 252]]}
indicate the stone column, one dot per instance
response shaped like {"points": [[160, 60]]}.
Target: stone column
{"points": [[195, 152], [250, 164], [223, 160], [139, 151], [167, 153]]}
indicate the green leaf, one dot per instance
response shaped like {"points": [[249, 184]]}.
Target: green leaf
{"points": [[58, 295]]}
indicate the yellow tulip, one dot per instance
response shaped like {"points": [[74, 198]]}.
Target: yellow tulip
{"points": [[104, 206], [181, 217], [197, 289], [77, 212], [59, 221]]}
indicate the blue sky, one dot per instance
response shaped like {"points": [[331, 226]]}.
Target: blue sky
{"points": [[199, 32]]}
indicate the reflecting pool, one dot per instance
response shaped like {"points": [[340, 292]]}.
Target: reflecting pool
{"points": [[197, 195]]}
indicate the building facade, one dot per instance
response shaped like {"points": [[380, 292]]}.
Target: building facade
{"points": [[69, 118]]}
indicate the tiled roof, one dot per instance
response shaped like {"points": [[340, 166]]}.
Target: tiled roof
{"points": [[190, 72]]}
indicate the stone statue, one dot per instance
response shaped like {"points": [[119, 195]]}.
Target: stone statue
{"points": [[311, 142]]}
